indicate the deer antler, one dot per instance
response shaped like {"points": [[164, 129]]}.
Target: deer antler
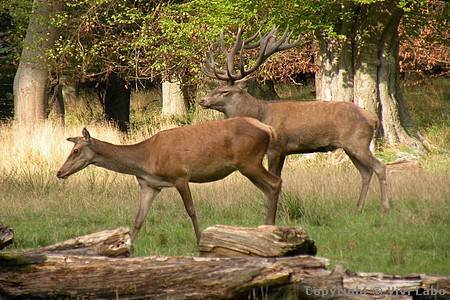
{"points": [[267, 45]]}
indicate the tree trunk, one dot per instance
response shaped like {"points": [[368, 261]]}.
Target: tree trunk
{"points": [[334, 80], [263, 241], [173, 103], [376, 79], [30, 82], [116, 102], [370, 54]]}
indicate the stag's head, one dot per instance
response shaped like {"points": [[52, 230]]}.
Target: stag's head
{"points": [[225, 97], [229, 96], [80, 156]]}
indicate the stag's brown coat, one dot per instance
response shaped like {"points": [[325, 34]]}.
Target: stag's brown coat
{"points": [[301, 127]]}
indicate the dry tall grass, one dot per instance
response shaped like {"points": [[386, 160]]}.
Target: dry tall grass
{"points": [[313, 188]]}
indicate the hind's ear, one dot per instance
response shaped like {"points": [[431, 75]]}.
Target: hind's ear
{"points": [[72, 139], [86, 135]]}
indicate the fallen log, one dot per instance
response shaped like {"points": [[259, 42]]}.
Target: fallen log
{"points": [[263, 241], [47, 273], [112, 243], [150, 277], [6, 236], [205, 277]]}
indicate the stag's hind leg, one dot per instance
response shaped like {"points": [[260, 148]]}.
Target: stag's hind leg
{"points": [[366, 176], [268, 183], [366, 158]]}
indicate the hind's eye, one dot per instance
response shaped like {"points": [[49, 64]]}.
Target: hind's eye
{"points": [[75, 151]]}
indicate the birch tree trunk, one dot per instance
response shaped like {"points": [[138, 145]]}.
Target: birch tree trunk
{"points": [[30, 82], [173, 99]]}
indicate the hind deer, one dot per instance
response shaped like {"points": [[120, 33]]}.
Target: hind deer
{"points": [[175, 157], [301, 127]]}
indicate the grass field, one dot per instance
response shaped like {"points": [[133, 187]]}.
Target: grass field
{"points": [[318, 194]]}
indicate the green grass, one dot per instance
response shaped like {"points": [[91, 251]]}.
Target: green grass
{"points": [[413, 237], [317, 194]]}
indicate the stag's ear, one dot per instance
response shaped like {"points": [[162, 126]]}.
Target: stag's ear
{"points": [[243, 84], [86, 135], [72, 139]]}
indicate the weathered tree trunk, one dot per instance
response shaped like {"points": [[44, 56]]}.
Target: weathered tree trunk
{"points": [[365, 68], [334, 80], [263, 241], [6, 236], [173, 102], [377, 70], [30, 82]]}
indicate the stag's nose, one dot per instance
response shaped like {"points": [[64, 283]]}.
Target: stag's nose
{"points": [[58, 174]]}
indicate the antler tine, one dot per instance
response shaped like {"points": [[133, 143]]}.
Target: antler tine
{"points": [[230, 56], [267, 44], [241, 62], [263, 44], [287, 44], [247, 42], [275, 46], [210, 70]]}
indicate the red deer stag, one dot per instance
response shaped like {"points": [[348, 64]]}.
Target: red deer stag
{"points": [[175, 157], [301, 127]]}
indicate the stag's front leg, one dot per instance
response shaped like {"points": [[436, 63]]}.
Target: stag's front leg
{"points": [[185, 192], [147, 195]]}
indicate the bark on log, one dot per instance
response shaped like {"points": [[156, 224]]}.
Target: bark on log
{"points": [[112, 243], [296, 277], [152, 277], [263, 241], [6, 236]]}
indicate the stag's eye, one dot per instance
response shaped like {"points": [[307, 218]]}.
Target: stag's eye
{"points": [[75, 151]]}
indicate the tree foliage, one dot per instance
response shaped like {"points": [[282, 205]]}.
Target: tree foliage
{"points": [[148, 39], [14, 17]]}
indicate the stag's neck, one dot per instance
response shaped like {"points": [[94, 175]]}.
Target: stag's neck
{"points": [[127, 159], [249, 106]]}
